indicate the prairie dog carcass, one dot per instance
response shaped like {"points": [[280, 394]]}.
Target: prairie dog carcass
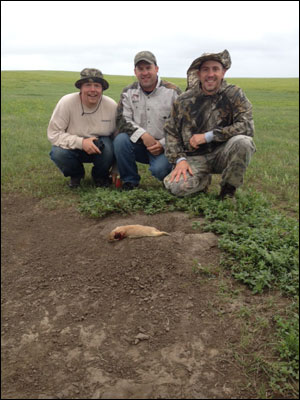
{"points": [[134, 231]]}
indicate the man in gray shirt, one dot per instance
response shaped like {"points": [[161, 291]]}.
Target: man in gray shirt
{"points": [[142, 112]]}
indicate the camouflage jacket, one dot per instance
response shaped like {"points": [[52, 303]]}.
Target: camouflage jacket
{"points": [[139, 112], [227, 113]]}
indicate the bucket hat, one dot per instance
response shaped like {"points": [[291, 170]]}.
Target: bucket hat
{"points": [[222, 57], [91, 74]]}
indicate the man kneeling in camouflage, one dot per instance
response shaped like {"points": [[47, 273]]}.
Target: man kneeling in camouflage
{"points": [[209, 131]]}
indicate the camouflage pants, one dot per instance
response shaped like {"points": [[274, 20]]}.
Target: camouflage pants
{"points": [[230, 159]]}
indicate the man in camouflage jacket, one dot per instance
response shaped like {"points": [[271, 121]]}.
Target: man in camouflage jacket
{"points": [[209, 131], [142, 112]]}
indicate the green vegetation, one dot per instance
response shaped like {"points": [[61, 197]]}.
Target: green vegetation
{"points": [[258, 233], [275, 167], [28, 99]]}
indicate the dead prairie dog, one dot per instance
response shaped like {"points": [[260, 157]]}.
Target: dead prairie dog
{"points": [[134, 231]]}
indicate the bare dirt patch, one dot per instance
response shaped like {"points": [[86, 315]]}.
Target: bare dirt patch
{"points": [[83, 318]]}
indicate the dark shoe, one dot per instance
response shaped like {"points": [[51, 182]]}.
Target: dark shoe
{"points": [[103, 182], [75, 182], [227, 191], [129, 186]]}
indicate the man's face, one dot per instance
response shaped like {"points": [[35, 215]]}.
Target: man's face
{"points": [[211, 74], [146, 75], [91, 93]]}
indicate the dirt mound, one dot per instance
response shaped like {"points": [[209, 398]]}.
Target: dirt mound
{"points": [[85, 318]]}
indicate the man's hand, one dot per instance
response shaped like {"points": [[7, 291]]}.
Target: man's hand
{"points": [[148, 140], [156, 149], [182, 168], [89, 147], [197, 139], [153, 145]]}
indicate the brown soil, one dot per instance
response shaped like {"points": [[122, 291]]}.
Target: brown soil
{"points": [[83, 318]]}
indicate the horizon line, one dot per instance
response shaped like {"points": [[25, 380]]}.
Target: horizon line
{"points": [[177, 77]]}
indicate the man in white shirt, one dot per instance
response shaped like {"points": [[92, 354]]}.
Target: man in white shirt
{"points": [[142, 112], [81, 130]]}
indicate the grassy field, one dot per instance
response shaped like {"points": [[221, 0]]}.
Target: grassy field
{"points": [[28, 99], [259, 235]]}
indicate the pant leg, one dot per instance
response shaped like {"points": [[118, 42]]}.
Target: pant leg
{"points": [[102, 162], [159, 166], [198, 182], [127, 154], [68, 161], [232, 159]]}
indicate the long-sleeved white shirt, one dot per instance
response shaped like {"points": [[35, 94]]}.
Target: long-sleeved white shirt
{"points": [[68, 127]]}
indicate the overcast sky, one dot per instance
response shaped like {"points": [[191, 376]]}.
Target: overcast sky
{"points": [[261, 36]]}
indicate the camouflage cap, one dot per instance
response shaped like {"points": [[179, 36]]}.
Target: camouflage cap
{"points": [[91, 74], [223, 58], [145, 56]]}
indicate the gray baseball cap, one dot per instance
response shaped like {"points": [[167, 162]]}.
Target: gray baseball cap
{"points": [[91, 74], [145, 56]]}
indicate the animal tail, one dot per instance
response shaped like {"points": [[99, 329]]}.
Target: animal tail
{"points": [[163, 233]]}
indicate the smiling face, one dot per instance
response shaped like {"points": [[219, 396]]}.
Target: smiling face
{"points": [[147, 75], [91, 93], [211, 74]]}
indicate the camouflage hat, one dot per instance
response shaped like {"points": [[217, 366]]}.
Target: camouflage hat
{"points": [[223, 58], [91, 74], [145, 56]]}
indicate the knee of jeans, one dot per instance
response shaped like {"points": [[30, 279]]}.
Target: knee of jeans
{"points": [[57, 154], [160, 173], [108, 150], [120, 140]]}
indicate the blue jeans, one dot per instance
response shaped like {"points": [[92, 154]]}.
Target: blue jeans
{"points": [[70, 162], [128, 154]]}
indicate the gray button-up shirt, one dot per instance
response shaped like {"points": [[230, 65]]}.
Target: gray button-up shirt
{"points": [[139, 112]]}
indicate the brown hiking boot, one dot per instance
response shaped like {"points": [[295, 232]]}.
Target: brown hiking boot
{"points": [[227, 191]]}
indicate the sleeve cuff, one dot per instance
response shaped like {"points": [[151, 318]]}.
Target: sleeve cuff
{"points": [[137, 134], [79, 141], [163, 142], [180, 159], [209, 136]]}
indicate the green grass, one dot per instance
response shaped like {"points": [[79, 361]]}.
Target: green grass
{"points": [[258, 235], [276, 115], [28, 99]]}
